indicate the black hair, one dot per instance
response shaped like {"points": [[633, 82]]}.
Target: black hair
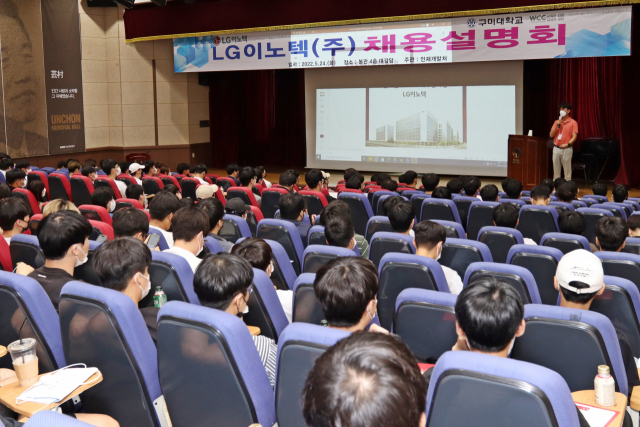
{"points": [[339, 233], [313, 178], [504, 183], [547, 182], [611, 233], [291, 205], [7, 163], [246, 176], [558, 182], [390, 201], [410, 177], [619, 193], [598, 189], [489, 312], [366, 379], [401, 215], [187, 222], [633, 222], [61, 230], [428, 234], [572, 223], [566, 105], [471, 186], [134, 191], [11, 210], [183, 167], [232, 168], [109, 164], [565, 192], [575, 298], [259, 171], [170, 188], [349, 173], [513, 189], [14, 175], [256, 251], [489, 193], [344, 287], [35, 187], [355, 182], [214, 210], [22, 164], [505, 215], [61, 164], [455, 186], [128, 222], [200, 168], [540, 192], [335, 210], [90, 162], [117, 261], [5, 190], [389, 185], [101, 196], [402, 179], [441, 193], [220, 277], [163, 204], [287, 179]]}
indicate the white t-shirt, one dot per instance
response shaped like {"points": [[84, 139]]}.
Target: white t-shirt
{"points": [[266, 183], [168, 236], [138, 180], [122, 188], [453, 280], [286, 300], [528, 241], [8, 240], [193, 260], [201, 181]]}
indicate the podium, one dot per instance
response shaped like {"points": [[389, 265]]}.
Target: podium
{"points": [[528, 160]]}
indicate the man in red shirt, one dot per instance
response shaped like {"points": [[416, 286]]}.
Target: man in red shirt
{"points": [[564, 133]]}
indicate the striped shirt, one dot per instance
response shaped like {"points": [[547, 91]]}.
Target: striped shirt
{"points": [[268, 351]]}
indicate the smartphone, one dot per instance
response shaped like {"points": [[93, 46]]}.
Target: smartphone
{"points": [[153, 241], [102, 238]]}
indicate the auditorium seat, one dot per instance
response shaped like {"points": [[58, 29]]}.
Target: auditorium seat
{"points": [[306, 307], [27, 197], [225, 183], [39, 176], [565, 242], [175, 276], [480, 215], [439, 209], [360, 210], [375, 224], [189, 186], [299, 347], [402, 271], [48, 169], [59, 187], [618, 264], [81, 189], [283, 276], [500, 240], [471, 389], [128, 203], [457, 254], [592, 215], [316, 201], [600, 199], [375, 198], [211, 245], [151, 184], [579, 204], [23, 298], [517, 203], [162, 243], [379, 211], [127, 179], [316, 256], [104, 228], [271, 201], [103, 328], [563, 206], [168, 179], [86, 272], [536, 221], [234, 228], [316, 235], [580, 339], [463, 203], [620, 302], [614, 208], [426, 322], [265, 310], [454, 230], [285, 233], [517, 277], [103, 181], [384, 242], [26, 248], [95, 213], [5, 255], [243, 193], [631, 245], [542, 262]]}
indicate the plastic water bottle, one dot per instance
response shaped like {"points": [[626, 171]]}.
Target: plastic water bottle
{"points": [[159, 298], [605, 387]]}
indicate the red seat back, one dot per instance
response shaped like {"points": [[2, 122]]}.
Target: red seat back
{"points": [[317, 194], [124, 176], [173, 180], [43, 177], [112, 184], [350, 190], [243, 193], [99, 210], [150, 188], [226, 183], [34, 223], [257, 212], [260, 188], [5, 256], [31, 199], [81, 189], [60, 187], [133, 202], [191, 185], [104, 228]]}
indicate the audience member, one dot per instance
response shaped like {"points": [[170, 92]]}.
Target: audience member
{"points": [[287, 181], [14, 217], [504, 183], [619, 193], [36, 187], [5, 191], [262, 173], [61, 166], [175, 190], [365, 380], [64, 240], [340, 233], [611, 233], [206, 191], [123, 265], [314, 179], [199, 172], [429, 238], [24, 166], [248, 179], [165, 170], [506, 215], [223, 282], [455, 186], [233, 171], [260, 256], [402, 216], [441, 193], [59, 205], [633, 223], [355, 182], [548, 182], [349, 173], [389, 185], [189, 226], [340, 211], [16, 178], [558, 182], [135, 170], [472, 186], [293, 209], [90, 172], [411, 179], [401, 179], [112, 169], [514, 189], [131, 222], [183, 169], [151, 169], [74, 167], [567, 192], [103, 196], [540, 195], [489, 193], [580, 278], [237, 207], [136, 192], [346, 288], [90, 162], [600, 189], [163, 206], [215, 212], [574, 223], [5, 166]]}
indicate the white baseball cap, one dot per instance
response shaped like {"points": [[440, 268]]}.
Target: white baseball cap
{"points": [[134, 167], [580, 266]]}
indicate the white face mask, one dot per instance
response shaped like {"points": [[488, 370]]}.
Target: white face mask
{"points": [[145, 291], [439, 253], [118, 170], [146, 203], [563, 113], [86, 257], [44, 192], [25, 183], [374, 313], [28, 170], [201, 246], [112, 205], [270, 269]]}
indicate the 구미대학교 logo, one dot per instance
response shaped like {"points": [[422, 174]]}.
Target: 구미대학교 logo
{"points": [[471, 23]]}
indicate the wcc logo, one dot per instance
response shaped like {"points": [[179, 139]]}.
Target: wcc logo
{"points": [[471, 23], [216, 40], [538, 18]]}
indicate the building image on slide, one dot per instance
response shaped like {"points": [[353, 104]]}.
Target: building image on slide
{"points": [[385, 133], [420, 129]]}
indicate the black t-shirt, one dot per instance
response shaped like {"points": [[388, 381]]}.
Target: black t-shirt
{"points": [[150, 316], [52, 280]]}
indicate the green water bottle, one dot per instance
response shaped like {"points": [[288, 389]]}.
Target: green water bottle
{"points": [[159, 298]]}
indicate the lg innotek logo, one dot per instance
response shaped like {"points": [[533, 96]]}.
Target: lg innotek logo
{"points": [[216, 40]]}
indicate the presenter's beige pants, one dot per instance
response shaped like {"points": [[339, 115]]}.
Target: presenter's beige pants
{"points": [[562, 159]]}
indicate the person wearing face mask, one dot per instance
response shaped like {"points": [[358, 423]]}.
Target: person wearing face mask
{"points": [[112, 169], [215, 212], [39, 191], [136, 192], [259, 254], [135, 170], [14, 217], [293, 209], [189, 225], [223, 282], [123, 265], [103, 196], [564, 133], [429, 238], [346, 288], [16, 178], [64, 240]]}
